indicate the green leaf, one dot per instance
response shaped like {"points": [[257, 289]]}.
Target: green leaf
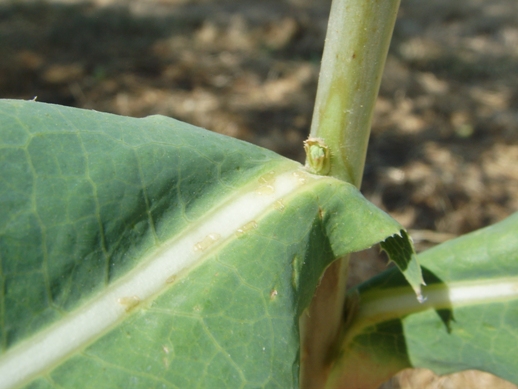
{"points": [[150, 253], [400, 250], [468, 321]]}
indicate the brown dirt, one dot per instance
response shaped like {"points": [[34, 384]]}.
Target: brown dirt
{"points": [[444, 147]]}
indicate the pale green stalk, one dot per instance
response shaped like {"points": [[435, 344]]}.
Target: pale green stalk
{"points": [[357, 42]]}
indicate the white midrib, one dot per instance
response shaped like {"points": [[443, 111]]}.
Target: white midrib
{"points": [[238, 214], [377, 308]]}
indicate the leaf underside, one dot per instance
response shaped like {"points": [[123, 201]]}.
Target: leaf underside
{"points": [[91, 200]]}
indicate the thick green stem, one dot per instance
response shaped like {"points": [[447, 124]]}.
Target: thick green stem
{"points": [[357, 42]]}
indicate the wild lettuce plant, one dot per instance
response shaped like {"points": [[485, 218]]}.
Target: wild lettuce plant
{"points": [[149, 253]]}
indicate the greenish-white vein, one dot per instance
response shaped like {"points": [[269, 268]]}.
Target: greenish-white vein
{"points": [[382, 305], [80, 328]]}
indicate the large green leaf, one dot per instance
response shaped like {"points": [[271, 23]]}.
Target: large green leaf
{"points": [[149, 253], [469, 320]]}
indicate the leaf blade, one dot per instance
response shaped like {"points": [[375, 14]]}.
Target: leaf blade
{"points": [[106, 214], [467, 322]]}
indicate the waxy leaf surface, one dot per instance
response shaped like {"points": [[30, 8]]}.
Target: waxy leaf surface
{"points": [[149, 253]]}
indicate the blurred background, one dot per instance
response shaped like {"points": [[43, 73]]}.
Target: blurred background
{"points": [[443, 155]]}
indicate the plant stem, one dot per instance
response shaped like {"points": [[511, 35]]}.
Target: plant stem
{"points": [[357, 42]]}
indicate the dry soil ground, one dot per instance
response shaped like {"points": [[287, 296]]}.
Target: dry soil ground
{"points": [[444, 148]]}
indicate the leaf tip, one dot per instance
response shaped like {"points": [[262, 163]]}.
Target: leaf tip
{"points": [[400, 249], [420, 298]]}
